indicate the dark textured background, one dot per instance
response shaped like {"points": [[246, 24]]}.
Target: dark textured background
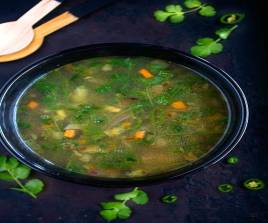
{"points": [[244, 59]]}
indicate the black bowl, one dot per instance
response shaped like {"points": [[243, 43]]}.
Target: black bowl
{"points": [[11, 92]]}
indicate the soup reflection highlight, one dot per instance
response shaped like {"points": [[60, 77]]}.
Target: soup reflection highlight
{"points": [[120, 117]]}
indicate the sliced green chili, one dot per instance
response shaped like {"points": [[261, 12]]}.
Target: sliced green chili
{"points": [[169, 198], [232, 160], [254, 184], [232, 18], [225, 188]]}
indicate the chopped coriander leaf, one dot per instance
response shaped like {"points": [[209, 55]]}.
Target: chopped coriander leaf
{"points": [[24, 125], [126, 196], [254, 184], [141, 198], [11, 169], [172, 12], [104, 88], [206, 47], [114, 210], [136, 195], [232, 18], [232, 160], [162, 100], [35, 186], [207, 10], [225, 188], [192, 3], [169, 198], [118, 209]]}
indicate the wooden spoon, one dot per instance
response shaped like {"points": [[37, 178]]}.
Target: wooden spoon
{"points": [[16, 35], [55, 24]]}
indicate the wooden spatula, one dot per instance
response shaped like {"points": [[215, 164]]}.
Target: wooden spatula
{"points": [[16, 35], [55, 24]]}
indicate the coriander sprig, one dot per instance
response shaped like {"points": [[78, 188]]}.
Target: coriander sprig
{"points": [[118, 209], [207, 46], [11, 169], [176, 13]]}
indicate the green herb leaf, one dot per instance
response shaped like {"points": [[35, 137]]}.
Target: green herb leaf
{"points": [[138, 196], [115, 210], [11, 169], [11, 163], [126, 196], [5, 176], [172, 12], [108, 215], [141, 198], [207, 10], [3, 160], [35, 186], [224, 33], [206, 47], [104, 88], [124, 213], [192, 3], [22, 172], [118, 209], [162, 100], [112, 205]]}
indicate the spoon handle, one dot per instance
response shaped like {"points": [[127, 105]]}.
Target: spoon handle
{"points": [[71, 16], [39, 11]]}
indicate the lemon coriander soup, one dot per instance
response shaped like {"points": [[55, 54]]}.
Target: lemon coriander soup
{"points": [[121, 117]]}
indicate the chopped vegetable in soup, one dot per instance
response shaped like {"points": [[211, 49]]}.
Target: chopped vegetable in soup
{"points": [[122, 117]]}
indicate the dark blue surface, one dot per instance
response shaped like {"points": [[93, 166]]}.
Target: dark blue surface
{"points": [[244, 59]]}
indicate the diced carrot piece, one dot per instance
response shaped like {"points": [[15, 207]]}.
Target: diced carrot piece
{"points": [[139, 135], [179, 105], [70, 133], [145, 73], [32, 105]]}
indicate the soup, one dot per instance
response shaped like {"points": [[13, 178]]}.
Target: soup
{"points": [[120, 117]]}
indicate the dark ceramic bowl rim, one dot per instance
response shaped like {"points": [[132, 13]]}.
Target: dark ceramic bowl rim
{"points": [[105, 49]]}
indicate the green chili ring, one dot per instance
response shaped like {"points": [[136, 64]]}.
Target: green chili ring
{"points": [[232, 160], [254, 184], [232, 18], [169, 199], [225, 188]]}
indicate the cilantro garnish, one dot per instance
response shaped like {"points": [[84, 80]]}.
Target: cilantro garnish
{"points": [[207, 10], [118, 209], [192, 3], [172, 12], [11, 169], [176, 14], [115, 210], [207, 46]]}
